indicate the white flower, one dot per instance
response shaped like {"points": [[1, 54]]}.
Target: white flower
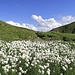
{"points": [[20, 68], [0, 74], [48, 71], [19, 73], [61, 74], [27, 64], [39, 71], [64, 68]]}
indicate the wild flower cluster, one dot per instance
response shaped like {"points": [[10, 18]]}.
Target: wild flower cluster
{"points": [[37, 58]]}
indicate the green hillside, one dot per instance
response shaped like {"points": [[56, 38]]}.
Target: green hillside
{"points": [[9, 32], [65, 32], [69, 28]]}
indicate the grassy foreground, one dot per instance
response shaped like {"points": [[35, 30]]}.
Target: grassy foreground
{"points": [[37, 58]]}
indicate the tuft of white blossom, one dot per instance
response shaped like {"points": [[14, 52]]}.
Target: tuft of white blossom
{"points": [[23, 56]]}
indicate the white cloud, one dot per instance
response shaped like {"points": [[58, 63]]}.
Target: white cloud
{"points": [[44, 24], [24, 25], [67, 20], [48, 24], [44, 29]]}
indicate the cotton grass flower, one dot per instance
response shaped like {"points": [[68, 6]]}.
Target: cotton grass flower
{"points": [[22, 57]]}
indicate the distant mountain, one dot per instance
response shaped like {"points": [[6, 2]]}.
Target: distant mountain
{"points": [[10, 32], [69, 28]]}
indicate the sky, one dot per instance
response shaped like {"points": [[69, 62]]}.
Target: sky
{"points": [[38, 15]]}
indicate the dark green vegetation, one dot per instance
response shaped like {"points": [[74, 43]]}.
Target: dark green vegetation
{"points": [[70, 28], [56, 36], [9, 33]]}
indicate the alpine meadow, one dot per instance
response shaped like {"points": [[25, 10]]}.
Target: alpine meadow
{"points": [[37, 37], [26, 52]]}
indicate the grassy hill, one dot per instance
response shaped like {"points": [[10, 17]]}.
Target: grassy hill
{"points": [[9, 32], [69, 28]]}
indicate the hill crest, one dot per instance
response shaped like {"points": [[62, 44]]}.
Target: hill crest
{"points": [[69, 28]]}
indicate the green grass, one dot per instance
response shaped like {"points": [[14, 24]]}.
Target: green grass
{"points": [[9, 32], [56, 36]]}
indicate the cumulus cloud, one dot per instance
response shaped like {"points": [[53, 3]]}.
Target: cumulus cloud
{"points": [[49, 24], [67, 20], [44, 24], [24, 25]]}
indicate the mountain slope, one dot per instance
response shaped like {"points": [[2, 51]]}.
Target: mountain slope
{"points": [[66, 33], [9, 32], [69, 28]]}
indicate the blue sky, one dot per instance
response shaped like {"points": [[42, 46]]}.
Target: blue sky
{"points": [[25, 11]]}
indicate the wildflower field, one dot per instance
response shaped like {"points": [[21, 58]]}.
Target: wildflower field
{"points": [[37, 58]]}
